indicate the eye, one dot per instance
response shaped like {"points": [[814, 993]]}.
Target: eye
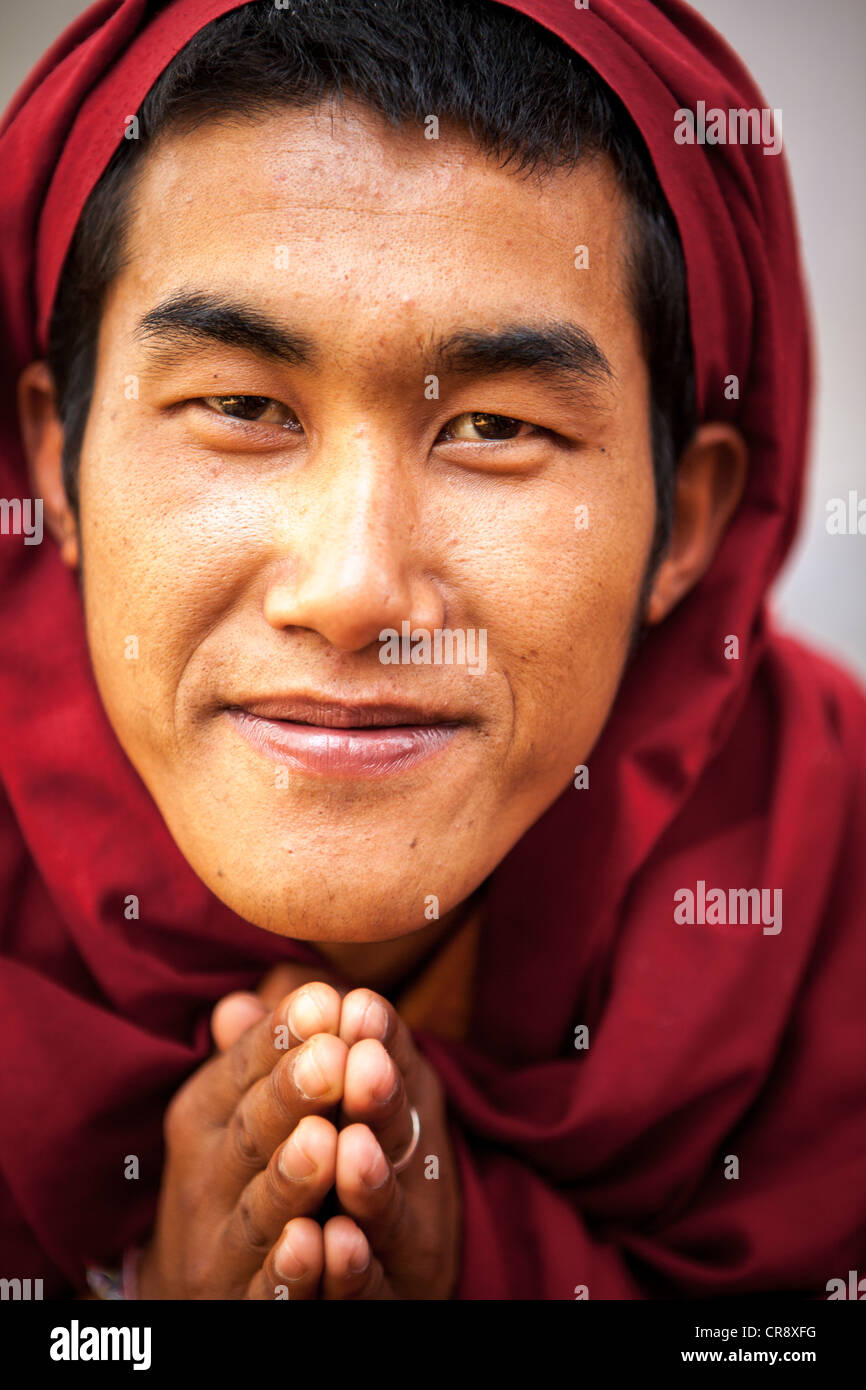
{"points": [[478, 426], [260, 410]]}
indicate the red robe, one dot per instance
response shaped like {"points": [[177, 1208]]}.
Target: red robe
{"points": [[601, 1166]]}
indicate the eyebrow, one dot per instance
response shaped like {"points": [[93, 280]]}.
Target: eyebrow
{"points": [[191, 318], [561, 350], [565, 350]]}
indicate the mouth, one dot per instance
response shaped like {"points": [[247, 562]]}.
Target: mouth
{"points": [[340, 739]]}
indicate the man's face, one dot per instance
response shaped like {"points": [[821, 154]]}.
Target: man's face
{"points": [[257, 560]]}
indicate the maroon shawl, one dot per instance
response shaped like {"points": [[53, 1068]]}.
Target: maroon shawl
{"points": [[603, 1166]]}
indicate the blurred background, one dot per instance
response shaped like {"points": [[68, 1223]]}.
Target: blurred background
{"points": [[808, 58]]}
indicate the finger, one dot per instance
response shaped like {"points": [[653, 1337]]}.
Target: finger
{"points": [[233, 1015], [369, 1192], [286, 977], [351, 1269], [293, 1267], [295, 1183], [307, 1081], [313, 1008], [365, 1014], [374, 1094]]}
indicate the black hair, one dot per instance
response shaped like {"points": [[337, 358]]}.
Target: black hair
{"points": [[523, 95]]}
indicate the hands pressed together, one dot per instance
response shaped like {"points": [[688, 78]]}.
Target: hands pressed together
{"points": [[279, 1179]]}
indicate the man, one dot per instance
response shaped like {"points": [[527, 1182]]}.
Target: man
{"points": [[419, 422]]}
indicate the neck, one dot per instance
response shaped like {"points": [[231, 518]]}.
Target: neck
{"points": [[379, 964]]}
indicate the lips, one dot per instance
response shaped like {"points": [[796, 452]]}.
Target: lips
{"points": [[341, 739]]}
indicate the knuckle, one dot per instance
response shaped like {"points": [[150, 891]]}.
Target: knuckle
{"points": [[237, 1058], [249, 1217], [242, 1139]]}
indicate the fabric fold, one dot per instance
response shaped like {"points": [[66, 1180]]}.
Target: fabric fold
{"points": [[601, 1167]]}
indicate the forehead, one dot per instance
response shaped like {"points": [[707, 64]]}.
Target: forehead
{"points": [[333, 210]]}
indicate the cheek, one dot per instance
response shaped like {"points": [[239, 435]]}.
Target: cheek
{"points": [[174, 552], [574, 563], [162, 560]]}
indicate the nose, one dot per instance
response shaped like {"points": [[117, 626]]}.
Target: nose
{"points": [[352, 561]]}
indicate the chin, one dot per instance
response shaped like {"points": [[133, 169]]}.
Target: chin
{"points": [[348, 904]]}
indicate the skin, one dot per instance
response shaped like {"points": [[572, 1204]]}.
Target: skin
{"points": [[251, 560], [254, 1143], [248, 560]]}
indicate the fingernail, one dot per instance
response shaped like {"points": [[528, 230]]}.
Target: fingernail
{"points": [[305, 1016], [359, 1258], [287, 1263], [375, 1021], [377, 1171], [386, 1089], [294, 1162], [308, 1075]]}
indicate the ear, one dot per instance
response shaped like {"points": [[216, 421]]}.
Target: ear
{"points": [[42, 434], [710, 478]]}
